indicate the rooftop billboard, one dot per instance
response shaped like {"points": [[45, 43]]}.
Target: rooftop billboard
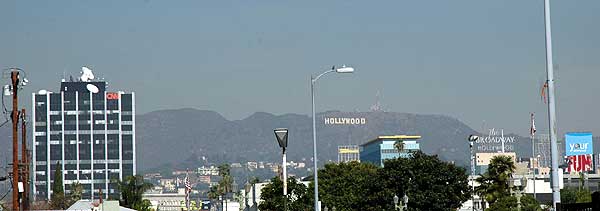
{"points": [[578, 144]]}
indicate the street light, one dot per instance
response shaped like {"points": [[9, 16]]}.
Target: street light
{"points": [[405, 200], [519, 185], [282, 138], [313, 80], [396, 199], [472, 139]]}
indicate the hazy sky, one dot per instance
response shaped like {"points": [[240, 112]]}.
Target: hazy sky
{"points": [[478, 61]]}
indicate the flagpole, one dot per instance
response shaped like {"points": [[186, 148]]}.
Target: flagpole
{"points": [[532, 167], [532, 131]]}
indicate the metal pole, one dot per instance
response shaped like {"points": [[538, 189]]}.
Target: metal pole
{"points": [[314, 127], [551, 106], [284, 179], [472, 176], [284, 174], [15, 136], [532, 161], [25, 161]]}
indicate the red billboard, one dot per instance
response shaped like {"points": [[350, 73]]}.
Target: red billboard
{"points": [[580, 163]]}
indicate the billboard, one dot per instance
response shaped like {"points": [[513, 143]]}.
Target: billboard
{"points": [[496, 141], [580, 163], [578, 144]]}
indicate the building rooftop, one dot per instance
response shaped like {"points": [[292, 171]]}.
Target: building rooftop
{"points": [[403, 137]]}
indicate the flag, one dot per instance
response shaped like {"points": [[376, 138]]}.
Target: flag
{"points": [[543, 94], [532, 129], [188, 190]]}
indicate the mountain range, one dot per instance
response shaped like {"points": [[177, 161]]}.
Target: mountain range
{"points": [[187, 138], [193, 136]]}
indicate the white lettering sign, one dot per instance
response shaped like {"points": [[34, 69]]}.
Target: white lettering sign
{"points": [[496, 142], [345, 121]]}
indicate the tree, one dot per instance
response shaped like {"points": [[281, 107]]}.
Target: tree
{"points": [[225, 185], [57, 198], [351, 186], [76, 192], [298, 198], [399, 145], [509, 203], [494, 182], [131, 190], [429, 183], [570, 195]]}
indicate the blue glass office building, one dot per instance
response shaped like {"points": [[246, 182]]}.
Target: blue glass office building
{"points": [[378, 150]]}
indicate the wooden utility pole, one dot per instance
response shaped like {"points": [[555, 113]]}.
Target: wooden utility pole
{"points": [[15, 120], [25, 163]]}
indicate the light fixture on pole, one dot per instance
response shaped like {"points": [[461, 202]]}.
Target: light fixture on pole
{"points": [[396, 199], [405, 201], [313, 80], [472, 139], [282, 139]]}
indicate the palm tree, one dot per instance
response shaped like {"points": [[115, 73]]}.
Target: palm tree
{"points": [[76, 192], [224, 169], [131, 190], [399, 145], [494, 182]]}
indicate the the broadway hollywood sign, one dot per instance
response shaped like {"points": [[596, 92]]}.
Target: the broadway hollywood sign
{"points": [[495, 141]]}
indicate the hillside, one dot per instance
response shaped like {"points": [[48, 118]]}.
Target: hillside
{"points": [[188, 137]]}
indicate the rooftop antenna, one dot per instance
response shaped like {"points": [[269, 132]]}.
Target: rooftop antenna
{"points": [[86, 74], [377, 105]]}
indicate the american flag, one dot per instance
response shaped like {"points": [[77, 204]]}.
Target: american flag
{"points": [[532, 129], [188, 190]]}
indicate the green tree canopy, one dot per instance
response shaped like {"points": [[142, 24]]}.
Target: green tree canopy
{"points": [[352, 186], [429, 183], [509, 203], [298, 198], [57, 198]]}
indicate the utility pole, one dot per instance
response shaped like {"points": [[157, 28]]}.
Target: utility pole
{"points": [[25, 162], [15, 135]]}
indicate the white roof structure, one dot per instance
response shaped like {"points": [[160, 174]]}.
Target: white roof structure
{"points": [[89, 205]]}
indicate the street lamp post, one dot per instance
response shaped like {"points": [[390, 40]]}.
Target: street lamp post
{"points": [[551, 106], [405, 201], [313, 80], [519, 185], [472, 139], [396, 199], [282, 139]]}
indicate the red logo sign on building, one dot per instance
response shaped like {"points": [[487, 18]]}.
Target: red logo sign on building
{"points": [[112, 96]]}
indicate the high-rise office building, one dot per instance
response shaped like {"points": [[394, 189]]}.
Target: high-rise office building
{"points": [[86, 130]]}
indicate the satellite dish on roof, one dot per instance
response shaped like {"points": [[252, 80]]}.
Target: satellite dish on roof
{"points": [[92, 88], [86, 74]]}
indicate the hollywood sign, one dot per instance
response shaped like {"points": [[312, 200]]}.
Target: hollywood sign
{"points": [[496, 142], [345, 121]]}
